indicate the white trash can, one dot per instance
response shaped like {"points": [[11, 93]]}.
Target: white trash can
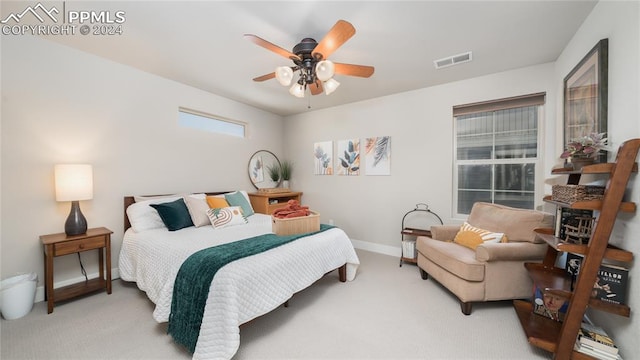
{"points": [[17, 295]]}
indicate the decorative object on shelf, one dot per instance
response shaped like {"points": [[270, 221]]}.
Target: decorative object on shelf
{"points": [[611, 282], [286, 170], [585, 95], [580, 232], [549, 305], [74, 182], [584, 150], [258, 162], [378, 155], [274, 172], [573, 193], [323, 158], [349, 159], [414, 224]]}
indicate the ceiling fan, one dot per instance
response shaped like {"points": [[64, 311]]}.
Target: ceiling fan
{"points": [[311, 60]]}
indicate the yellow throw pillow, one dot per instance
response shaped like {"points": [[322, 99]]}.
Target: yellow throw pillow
{"points": [[471, 236], [469, 239], [217, 202]]}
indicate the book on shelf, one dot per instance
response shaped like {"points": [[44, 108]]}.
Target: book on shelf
{"points": [[549, 305], [596, 337], [611, 282], [596, 353], [409, 249]]}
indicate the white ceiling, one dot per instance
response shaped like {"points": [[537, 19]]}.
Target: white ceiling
{"points": [[201, 43]]}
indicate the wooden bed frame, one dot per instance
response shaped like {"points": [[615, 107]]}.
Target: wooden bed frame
{"points": [[129, 200]]}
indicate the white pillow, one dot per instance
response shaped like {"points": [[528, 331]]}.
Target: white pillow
{"points": [[225, 217], [141, 198], [143, 217], [197, 205]]}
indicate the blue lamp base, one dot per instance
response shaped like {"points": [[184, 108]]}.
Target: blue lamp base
{"points": [[76, 223]]}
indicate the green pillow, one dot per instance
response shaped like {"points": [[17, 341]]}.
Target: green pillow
{"points": [[175, 214], [238, 199]]}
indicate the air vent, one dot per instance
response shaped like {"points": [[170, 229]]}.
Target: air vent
{"points": [[452, 60]]}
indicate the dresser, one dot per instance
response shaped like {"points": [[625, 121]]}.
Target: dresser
{"points": [[266, 202]]}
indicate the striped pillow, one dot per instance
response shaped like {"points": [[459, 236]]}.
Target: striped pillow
{"points": [[471, 236], [224, 217]]}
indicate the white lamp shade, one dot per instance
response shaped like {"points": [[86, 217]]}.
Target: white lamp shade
{"points": [[73, 182], [284, 75], [297, 90], [330, 86], [325, 70]]}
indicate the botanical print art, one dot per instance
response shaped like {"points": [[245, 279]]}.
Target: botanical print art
{"points": [[377, 153], [257, 170], [348, 162], [322, 158]]}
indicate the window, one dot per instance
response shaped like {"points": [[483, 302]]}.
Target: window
{"points": [[197, 120], [497, 152]]}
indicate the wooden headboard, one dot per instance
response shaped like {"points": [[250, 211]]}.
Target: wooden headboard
{"points": [[128, 200]]}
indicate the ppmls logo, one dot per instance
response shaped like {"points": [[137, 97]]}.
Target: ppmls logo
{"points": [[34, 11], [40, 20]]}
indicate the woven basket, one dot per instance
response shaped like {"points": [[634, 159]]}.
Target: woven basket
{"points": [[572, 193]]}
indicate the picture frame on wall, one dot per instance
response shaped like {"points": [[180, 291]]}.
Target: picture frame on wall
{"points": [[585, 95]]}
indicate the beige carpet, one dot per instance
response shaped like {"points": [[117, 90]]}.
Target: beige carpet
{"points": [[387, 312]]}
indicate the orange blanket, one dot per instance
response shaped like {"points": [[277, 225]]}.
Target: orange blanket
{"points": [[293, 209]]}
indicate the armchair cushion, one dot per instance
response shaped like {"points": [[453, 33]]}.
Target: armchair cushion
{"points": [[515, 251], [444, 232]]}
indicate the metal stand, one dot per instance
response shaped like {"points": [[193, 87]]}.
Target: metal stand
{"points": [[412, 231]]}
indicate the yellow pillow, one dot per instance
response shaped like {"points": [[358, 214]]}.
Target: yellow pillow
{"points": [[217, 202], [471, 236], [469, 239]]}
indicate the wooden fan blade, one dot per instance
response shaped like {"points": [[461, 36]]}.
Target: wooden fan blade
{"points": [[353, 70], [265, 77], [316, 87], [338, 35], [271, 47]]}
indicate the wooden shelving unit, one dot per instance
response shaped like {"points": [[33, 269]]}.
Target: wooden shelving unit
{"points": [[559, 337]]}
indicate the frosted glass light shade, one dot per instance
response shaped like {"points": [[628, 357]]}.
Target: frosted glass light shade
{"points": [[284, 75], [297, 90], [73, 182], [330, 86], [325, 70]]}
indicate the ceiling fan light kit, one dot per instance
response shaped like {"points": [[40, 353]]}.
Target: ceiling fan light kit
{"points": [[311, 60], [284, 75]]}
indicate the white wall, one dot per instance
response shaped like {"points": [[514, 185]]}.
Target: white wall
{"points": [[420, 123], [60, 105], [370, 208], [620, 23]]}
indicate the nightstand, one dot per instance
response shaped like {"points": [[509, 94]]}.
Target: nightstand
{"points": [[61, 244], [266, 202]]}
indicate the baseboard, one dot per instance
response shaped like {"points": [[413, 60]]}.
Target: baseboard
{"points": [[377, 248], [115, 274]]}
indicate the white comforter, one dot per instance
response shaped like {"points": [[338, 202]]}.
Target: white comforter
{"points": [[241, 290]]}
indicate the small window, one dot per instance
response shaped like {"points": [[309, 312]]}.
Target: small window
{"points": [[201, 121]]}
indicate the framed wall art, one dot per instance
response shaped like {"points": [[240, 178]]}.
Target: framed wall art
{"points": [[378, 155], [323, 158], [585, 95]]}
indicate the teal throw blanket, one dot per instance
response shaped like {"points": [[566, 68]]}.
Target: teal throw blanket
{"points": [[191, 287]]}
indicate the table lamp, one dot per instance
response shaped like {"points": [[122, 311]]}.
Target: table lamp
{"points": [[74, 182]]}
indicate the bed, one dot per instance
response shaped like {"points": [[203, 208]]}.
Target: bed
{"points": [[152, 255]]}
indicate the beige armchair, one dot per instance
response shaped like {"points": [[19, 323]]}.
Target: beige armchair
{"points": [[493, 271]]}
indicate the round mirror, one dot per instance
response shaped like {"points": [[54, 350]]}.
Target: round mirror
{"points": [[264, 169]]}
